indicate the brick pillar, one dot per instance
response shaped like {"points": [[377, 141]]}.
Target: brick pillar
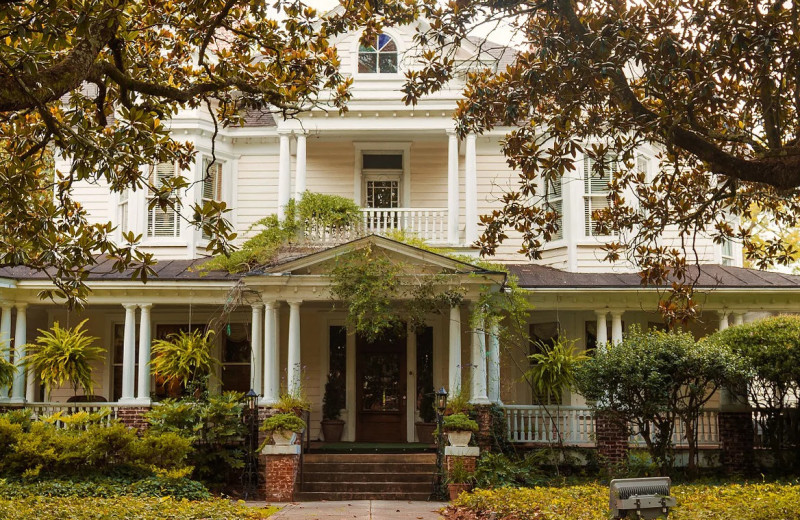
{"points": [[467, 455], [264, 412], [736, 440], [483, 437], [133, 417], [281, 465], [612, 438]]}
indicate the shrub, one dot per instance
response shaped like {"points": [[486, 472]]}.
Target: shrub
{"points": [[498, 470], [458, 403], [459, 422], [334, 399], [289, 403], [105, 487], [284, 421]]}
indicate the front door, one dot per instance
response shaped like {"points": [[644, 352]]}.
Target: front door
{"points": [[381, 389]]}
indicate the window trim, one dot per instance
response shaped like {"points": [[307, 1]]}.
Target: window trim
{"points": [[368, 147], [587, 196], [378, 76], [149, 212]]}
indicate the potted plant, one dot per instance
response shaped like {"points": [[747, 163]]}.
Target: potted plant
{"points": [[427, 414], [296, 404], [459, 429], [284, 428], [459, 479], [185, 358], [332, 404]]}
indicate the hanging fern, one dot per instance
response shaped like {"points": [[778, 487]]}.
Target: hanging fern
{"points": [[184, 357], [64, 355], [7, 369]]}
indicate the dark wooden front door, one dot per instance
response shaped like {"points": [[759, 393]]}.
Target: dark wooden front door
{"points": [[381, 390]]}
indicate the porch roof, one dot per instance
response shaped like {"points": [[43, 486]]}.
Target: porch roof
{"points": [[103, 270], [709, 276]]}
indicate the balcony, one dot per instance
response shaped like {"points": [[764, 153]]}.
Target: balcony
{"points": [[428, 224]]}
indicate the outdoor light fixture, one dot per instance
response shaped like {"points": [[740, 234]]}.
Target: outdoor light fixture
{"points": [[438, 479], [441, 400], [252, 399], [250, 473], [642, 497]]}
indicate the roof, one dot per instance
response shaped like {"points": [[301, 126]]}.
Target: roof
{"points": [[708, 276], [255, 117]]}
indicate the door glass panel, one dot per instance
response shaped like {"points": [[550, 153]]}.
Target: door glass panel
{"points": [[383, 193], [381, 383]]}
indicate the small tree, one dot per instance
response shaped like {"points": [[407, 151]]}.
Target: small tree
{"points": [[7, 370], [334, 398], [64, 355], [771, 347], [653, 379], [184, 357]]}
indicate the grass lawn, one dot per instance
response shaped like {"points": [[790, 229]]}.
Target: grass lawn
{"points": [[722, 501], [128, 508]]}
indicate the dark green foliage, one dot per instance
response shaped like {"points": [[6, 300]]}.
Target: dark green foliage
{"points": [[499, 470], [459, 422], [105, 487], [334, 399], [284, 421]]}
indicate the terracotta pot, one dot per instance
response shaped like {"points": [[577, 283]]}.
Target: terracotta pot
{"points": [[425, 432], [283, 437], [456, 489], [332, 430], [459, 438]]}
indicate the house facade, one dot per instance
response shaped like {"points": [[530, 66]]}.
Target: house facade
{"points": [[279, 329]]}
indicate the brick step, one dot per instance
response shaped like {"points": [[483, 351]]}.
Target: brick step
{"points": [[303, 496], [366, 487], [354, 476], [365, 467], [417, 458]]}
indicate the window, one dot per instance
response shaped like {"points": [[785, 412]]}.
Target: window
{"points": [[727, 252], [163, 222], [212, 184], [595, 191], [122, 209], [236, 358], [378, 56], [554, 202]]}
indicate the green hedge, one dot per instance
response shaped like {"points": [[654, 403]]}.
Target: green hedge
{"points": [[106, 487], [769, 501], [129, 508]]}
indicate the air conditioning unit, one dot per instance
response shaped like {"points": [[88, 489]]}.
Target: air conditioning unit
{"points": [[640, 497]]}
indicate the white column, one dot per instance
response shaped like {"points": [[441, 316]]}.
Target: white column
{"points": [[723, 319], [300, 167], [494, 364], [453, 190], [284, 174], [293, 353], [411, 384], [129, 354], [738, 318], [454, 358], [471, 190], [616, 327], [272, 379], [145, 339], [257, 348], [20, 339], [5, 342], [602, 330], [478, 355]]}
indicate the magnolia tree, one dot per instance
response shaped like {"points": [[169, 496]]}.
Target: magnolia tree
{"points": [[657, 381]]}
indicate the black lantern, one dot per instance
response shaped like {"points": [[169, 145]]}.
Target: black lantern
{"points": [[441, 400], [252, 400], [250, 473]]}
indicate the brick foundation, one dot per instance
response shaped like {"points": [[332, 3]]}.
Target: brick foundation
{"points": [[279, 476], [133, 417], [612, 438], [736, 441], [483, 437], [469, 463]]}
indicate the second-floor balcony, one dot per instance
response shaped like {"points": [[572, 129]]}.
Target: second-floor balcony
{"points": [[428, 224]]}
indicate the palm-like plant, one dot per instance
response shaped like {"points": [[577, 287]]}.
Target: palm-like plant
{"points": [[62, 355], [184, 357], [7, 370]]}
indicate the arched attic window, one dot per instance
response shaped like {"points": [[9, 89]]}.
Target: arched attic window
{"points": [[378, 56]]}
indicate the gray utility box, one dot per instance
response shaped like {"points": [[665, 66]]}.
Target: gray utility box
{"points": [[640, 497]]}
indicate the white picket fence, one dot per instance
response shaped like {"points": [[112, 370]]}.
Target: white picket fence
{"points": [[576, 426], [42, 410]]}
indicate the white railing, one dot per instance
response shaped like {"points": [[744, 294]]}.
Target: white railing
{"points": [[429, 224], [538, 424], [576, 426], [42, 410]]}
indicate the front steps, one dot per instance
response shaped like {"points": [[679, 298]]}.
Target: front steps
{"points": [[328, 476]]}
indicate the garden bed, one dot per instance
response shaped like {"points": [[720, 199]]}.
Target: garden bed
{"points": [[740, 501]]}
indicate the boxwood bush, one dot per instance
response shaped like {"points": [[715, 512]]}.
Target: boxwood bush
{"points": [[106, 487]]}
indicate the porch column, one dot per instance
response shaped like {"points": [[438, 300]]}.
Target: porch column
{"points": [[454, 358], [411, 383], [300, 167], [723, 320], [478, 394], [738, 318], [602, 330], [5, 341], [293, 353], [284, 174], [129, 354], [453, 191], [20, 339], [494, 364], [272, 374], [256, 348], [616, 327], [145, 339], [471, 190]]}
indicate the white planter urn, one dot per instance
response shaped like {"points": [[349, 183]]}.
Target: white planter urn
{"points": [[283, 437], [459, 438]]}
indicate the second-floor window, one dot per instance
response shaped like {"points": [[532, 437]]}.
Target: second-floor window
{"points": [[727, 252], [595, 191], [378, 56], [122, 209], [212, 184], [163, 222], [554, 202]]}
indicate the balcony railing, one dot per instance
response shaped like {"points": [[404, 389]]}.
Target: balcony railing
{"points": [[428, 224]]}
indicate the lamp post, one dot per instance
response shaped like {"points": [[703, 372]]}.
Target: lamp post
{"points": [[250, 477], [441, 406]]}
